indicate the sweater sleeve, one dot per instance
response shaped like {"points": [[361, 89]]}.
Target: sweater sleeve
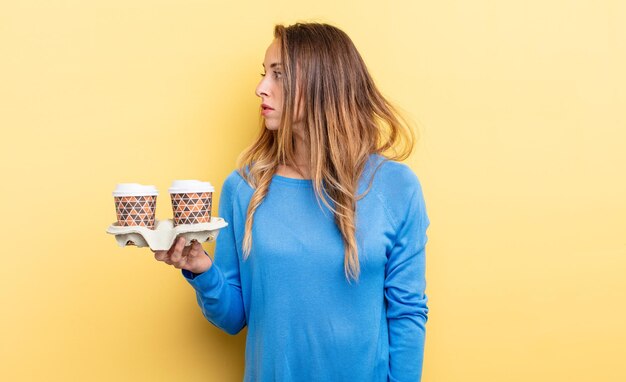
{"points": [[218, 290], [407, 310]]}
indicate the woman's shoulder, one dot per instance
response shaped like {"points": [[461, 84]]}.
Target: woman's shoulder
{"points": [[234, 182], [391, 177], [397, 188]]}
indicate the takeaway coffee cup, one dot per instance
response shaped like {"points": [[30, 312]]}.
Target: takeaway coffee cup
{"points": [[135, 204], [191, 201]]}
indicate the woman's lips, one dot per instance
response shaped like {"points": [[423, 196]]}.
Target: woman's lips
{"points": [[265, 109]]}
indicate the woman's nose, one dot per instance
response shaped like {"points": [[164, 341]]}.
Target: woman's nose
{"points": [[261, 89]]}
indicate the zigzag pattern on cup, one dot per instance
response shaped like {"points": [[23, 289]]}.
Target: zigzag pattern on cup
{"points": [[135, 210], [191, 208]]}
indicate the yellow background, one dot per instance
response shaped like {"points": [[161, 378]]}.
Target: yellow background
{"points": [[520, 107]]}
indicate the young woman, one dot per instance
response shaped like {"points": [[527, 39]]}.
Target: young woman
{"points": [[323, 257]]}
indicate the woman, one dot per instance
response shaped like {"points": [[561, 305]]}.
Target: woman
{"points": [[323, 257]]}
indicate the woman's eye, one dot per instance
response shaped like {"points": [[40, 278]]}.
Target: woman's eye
{"points": [[276, 75]]}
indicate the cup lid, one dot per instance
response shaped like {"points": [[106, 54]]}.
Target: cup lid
{"points": [[191, 185], [134, 189]]}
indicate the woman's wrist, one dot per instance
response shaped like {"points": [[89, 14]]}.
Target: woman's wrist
{"points": [[202, 267]]}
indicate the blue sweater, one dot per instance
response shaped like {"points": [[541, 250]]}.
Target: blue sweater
{"points": [[305, 321]]}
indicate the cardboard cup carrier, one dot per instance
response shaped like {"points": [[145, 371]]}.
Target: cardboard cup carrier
{"points": [[135, 205]]}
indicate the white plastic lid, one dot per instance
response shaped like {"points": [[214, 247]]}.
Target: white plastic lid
{"points": [[134, 189], [183, 186]]}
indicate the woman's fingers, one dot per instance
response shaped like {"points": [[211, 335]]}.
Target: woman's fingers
{"points": [[163, 256], [180, 255], [173, 254], [176, 252], [196, 247], [189, 254], [160, 255]]}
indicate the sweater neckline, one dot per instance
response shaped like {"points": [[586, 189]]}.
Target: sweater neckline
{"points": [[292, 181], [309, 182]]}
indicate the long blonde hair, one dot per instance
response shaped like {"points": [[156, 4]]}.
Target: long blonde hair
{"points": [[345, 118]]}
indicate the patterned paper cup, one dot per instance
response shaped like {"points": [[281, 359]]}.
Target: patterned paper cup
{"points": [[191, 201], [135, 204]]}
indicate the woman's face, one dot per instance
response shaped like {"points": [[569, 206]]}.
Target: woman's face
{"points": [[270, 88]]}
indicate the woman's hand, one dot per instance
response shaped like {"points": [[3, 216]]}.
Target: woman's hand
{"points": [[191, 258]]}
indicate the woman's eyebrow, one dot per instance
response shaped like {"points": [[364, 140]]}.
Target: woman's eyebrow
{"points": [[273, 65]]}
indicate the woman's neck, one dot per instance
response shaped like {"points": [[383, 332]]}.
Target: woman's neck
{"points": [[301, 169]]}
